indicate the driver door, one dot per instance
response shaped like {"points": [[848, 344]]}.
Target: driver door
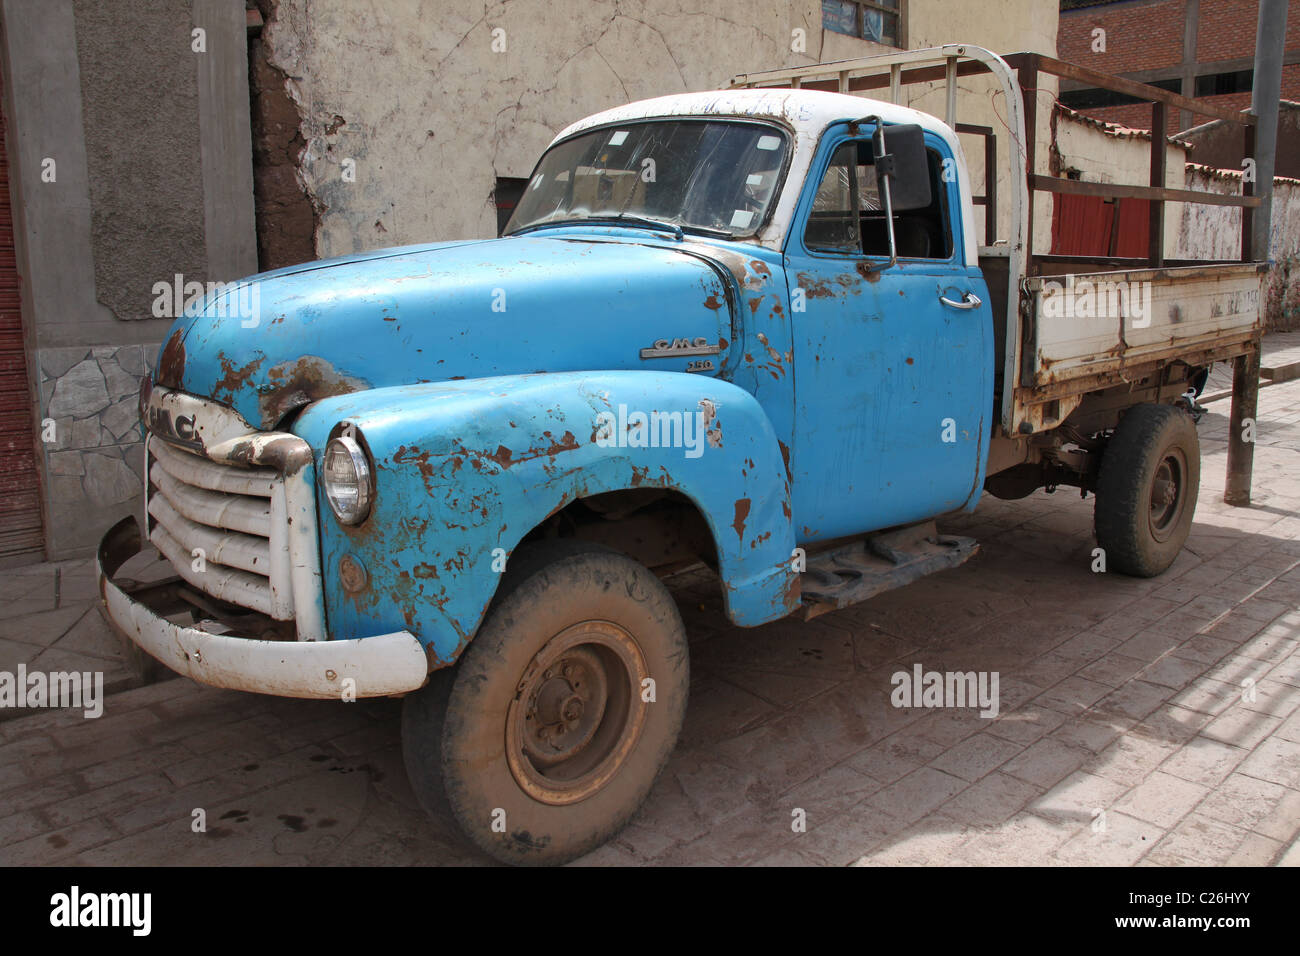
{"points": [[893, 366]]}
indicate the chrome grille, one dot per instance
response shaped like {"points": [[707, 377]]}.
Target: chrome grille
{"points": [[234, 518]]}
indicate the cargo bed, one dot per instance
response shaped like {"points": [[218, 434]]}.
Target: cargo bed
{"points": [[1051, 362]]}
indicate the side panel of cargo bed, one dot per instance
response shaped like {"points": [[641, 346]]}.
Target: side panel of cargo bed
{"points": [[1088, 331]]}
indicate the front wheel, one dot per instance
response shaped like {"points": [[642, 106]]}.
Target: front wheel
{"points": [[1146, 490], [548, 734]]}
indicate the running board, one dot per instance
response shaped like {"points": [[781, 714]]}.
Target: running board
{"points": [[880, 562]]}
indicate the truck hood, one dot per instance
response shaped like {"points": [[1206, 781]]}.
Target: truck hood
{"points": [[435, 313]]}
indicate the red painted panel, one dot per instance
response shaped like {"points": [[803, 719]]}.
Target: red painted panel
{"points": [[1081, 226]]}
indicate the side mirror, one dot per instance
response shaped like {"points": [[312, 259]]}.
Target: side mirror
{"points": [[900, 155], [902, 174]]}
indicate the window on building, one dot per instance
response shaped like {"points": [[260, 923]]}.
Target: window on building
{"points": [[1091, 99], [1219, 84], [875, 20]]}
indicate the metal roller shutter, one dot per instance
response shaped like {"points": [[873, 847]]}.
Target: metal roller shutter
{"points": [[20, 497]]}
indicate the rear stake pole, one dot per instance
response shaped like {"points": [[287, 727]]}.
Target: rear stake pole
{"points": [[1241, 445]]}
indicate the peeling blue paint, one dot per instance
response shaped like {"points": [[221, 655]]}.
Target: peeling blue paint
{"points": [[463, 468]]}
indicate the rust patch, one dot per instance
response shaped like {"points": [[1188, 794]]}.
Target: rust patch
{"points": [[284, 453], [793, 591], [712, 427], [760, 267], [789, 475], [409, 456], [819, 288], [864, 270], [307, 380], [504, 457], [171, 364], [712, 302], [742, 512], [909, 360], [233, 379], [754, 304], [773, 354]]}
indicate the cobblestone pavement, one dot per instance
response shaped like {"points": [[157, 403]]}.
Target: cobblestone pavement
{"points": [[1125, 733]]}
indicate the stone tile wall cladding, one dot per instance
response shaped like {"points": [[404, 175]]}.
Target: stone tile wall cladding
{"points": [[97, 456]]}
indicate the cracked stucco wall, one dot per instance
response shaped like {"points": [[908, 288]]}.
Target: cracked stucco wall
{"points": [[1213, 232], [429, 115]]}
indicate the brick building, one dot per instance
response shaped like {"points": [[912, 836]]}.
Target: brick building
{"points": [[1200, 48]]}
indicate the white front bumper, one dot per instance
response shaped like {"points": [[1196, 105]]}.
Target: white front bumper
{"points": [[376, 666]]}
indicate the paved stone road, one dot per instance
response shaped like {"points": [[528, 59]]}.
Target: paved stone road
{"points": [[1125, 734]]}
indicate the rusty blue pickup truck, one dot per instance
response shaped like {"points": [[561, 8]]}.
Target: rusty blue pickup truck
{"points": [[752, 329]]}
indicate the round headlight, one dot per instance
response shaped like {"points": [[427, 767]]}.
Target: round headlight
{"points": [[346, 476]]}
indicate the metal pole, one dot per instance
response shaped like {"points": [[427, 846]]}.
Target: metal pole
{"points": [[1241, 453], [1270, 41]]}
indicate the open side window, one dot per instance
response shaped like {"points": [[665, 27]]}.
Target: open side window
{"points": [[848, 215]]}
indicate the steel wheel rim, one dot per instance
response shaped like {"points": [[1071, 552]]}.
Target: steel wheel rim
{"points": [[577, 713], [1168, 494]]}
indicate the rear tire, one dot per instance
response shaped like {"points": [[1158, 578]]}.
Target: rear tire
{"points": [[1147, 489], [539, 741]]}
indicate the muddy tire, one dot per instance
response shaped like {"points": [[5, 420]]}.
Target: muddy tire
{"points": [[538, 742], [1147, 488]]}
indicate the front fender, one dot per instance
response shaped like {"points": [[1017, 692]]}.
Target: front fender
{"points": [[465, 469]]}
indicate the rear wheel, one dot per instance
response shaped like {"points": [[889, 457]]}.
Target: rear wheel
{"points": [[1147, 488], [547, 736]]}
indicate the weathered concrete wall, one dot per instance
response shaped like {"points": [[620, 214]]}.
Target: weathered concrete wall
{"points": [[151, 177], [428, 113], [1214, 232], [142, 151]]}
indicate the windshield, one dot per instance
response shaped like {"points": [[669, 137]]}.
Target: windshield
{"points": [[714, 176]]}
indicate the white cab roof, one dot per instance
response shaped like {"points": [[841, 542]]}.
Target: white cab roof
{"points": [[807, 113]]}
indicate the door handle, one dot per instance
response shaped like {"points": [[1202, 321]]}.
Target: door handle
{"points": [[969, 300]]}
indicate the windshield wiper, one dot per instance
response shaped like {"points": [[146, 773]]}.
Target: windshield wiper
{"points": [[706, 231], [624, 218], [621, 219]]}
